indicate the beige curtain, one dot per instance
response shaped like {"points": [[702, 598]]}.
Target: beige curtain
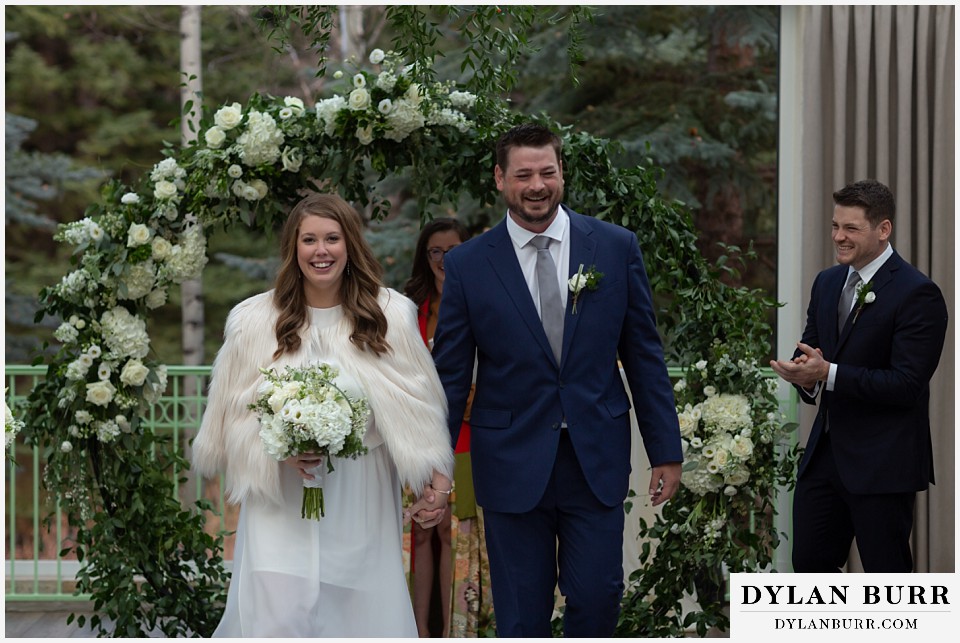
{"points": [[878, 102]]}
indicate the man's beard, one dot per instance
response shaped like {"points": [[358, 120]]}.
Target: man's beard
{"points": [[536, 220]]}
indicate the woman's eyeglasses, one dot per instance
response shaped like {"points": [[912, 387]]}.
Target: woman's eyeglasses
{"points": [[436, 254]]}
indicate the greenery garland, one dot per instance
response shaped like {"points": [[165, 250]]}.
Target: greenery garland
{"points": [[146, 560]]}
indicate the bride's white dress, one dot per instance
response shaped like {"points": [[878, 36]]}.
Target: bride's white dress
{"points": [[339, 576]]}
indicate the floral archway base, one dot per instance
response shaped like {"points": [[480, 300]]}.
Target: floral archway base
{"points": [[145, 558]]}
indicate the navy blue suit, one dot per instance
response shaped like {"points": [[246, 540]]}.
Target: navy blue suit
{"points": [[869, 450], [523, 459]]}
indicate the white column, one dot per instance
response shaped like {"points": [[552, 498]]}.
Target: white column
{"points": [[791, 207]]}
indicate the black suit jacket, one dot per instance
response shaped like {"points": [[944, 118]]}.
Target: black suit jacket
{"points": [[886, 354]]}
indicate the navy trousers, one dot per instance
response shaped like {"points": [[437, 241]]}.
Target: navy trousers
{"points": [[570, 537]]}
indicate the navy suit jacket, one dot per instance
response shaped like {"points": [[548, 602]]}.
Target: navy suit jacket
{"points": [[522, 395], [878, 411]]}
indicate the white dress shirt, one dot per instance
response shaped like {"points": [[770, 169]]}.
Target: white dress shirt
{"points": [[866, 274], [527, 253]]}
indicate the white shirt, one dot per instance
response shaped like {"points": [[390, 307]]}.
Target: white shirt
{"points": [[527, 253], [866, 274]]}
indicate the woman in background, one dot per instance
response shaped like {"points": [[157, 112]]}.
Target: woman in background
{"points": [[463, 572]]}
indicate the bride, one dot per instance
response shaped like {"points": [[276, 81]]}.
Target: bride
{"points": [[341, 575]]}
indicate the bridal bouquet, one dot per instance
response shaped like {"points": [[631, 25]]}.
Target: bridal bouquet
{"points": [[302, 410]]}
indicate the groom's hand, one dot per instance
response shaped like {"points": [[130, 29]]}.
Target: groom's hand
{"points": [[664, 482], [428, 510]]}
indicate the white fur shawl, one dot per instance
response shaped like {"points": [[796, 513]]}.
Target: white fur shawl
{"points": [[402, 388]]}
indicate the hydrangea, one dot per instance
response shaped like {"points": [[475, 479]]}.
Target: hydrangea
{"points": [[260, 142], [188, 257], [66, 333], [124, 334], [327, 110], [138, 280], [404, 119], [168, 170]]}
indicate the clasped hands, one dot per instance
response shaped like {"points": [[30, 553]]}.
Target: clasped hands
{"points": [[805, 370], [429, 508]]}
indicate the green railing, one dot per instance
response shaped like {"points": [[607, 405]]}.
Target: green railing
{"points": [[34, 569]]}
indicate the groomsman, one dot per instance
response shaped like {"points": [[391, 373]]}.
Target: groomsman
{"points": [[550, 425], [874, 333]]}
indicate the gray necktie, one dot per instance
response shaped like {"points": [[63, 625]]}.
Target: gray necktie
{"points": [[846, 298], [551, 305]]}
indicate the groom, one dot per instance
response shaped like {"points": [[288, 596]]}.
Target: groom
{"points": [[550, 425]]}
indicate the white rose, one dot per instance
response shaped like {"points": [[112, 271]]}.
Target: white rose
{"points": [[359, 99], [228, 117], [160, 248], [738, 477], [100, 393], [709, 391], [130, 198], [730, 491], [365, 135], [138, 234], [295, 104], [377, 56], [104, 372], [721, 457], [870, 297], [66, 447], [701, 365], [285, 114], [338, 74], [260, 187], [134, 373], [741, 447], [215, 136], [163, 190], [234, 171], [680, 385], [359, 81], [385, 106]]}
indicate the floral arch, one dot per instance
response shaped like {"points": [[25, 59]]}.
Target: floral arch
{"points": [[248, 166]]}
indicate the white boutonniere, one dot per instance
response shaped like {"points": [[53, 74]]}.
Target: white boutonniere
{"points": [[589, 280], [865, 295]]}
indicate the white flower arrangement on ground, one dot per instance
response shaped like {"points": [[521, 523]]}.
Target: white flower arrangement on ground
{"points": [[730, 426], [303, 411]]}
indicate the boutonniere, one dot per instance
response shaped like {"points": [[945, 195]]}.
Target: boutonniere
{"points": [[589, 280], [865, 295]]}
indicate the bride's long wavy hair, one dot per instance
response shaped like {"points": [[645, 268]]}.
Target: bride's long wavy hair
{"points": [[359, 285]]}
